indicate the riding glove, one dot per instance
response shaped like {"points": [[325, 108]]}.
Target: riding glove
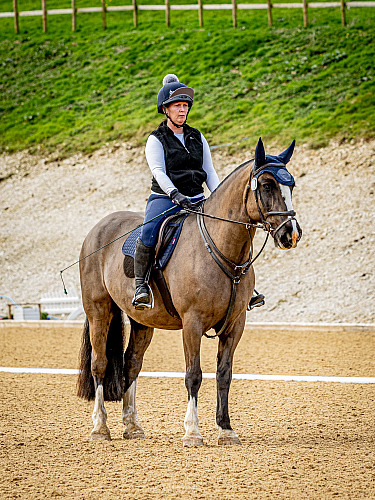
{"points": [[182, 200]]}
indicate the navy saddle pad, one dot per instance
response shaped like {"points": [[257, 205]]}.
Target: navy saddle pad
{"points": [[172, 232]]}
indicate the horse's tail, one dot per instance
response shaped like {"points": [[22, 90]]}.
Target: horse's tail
{"points": [[113, 383]]}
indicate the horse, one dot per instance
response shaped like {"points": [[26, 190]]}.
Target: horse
{"points": [[210, 277]]}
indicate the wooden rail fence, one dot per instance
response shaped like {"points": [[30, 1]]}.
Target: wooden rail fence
{"points": [[167, 7]]}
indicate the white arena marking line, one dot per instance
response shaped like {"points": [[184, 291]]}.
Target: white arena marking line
{"points": [[238, 376], [48, 371]]}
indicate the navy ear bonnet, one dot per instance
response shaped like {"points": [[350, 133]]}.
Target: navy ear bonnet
{"points": [[275, 165], [280, 173]]}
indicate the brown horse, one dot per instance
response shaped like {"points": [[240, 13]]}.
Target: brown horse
{"points": [[201, 288]]}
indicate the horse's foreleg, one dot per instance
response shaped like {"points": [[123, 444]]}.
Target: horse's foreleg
{"points": [[193, 380], [140, 338], [227, 345], [98, 337]]}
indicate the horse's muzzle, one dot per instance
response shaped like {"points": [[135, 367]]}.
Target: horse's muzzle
{"points": [[288, 236]]}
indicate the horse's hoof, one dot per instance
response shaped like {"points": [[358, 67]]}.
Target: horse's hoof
{"points": [[192, 441], [134, 435], [228, 440], [100, 436], [227, 437]]}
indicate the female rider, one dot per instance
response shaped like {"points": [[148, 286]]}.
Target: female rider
{"points": [[180, 161]]}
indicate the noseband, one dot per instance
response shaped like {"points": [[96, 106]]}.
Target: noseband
{"points": [[253, 186]]}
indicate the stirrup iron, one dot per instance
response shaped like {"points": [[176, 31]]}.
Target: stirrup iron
{"points": [[143, 305], [257, 300]]}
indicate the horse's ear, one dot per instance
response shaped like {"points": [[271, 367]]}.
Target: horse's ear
{"points": [[260, 155], [286, 155]]}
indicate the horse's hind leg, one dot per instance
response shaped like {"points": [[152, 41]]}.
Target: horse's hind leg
{"points": [[99, 326], [227, 345], [129, 415], [140, 338]]}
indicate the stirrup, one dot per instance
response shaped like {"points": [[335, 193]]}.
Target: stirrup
{"points": [[257, 300], [137, 301]]}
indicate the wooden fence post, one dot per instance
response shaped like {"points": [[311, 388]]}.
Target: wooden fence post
{"points": [[74, 13], [305, 16], [44, 9], [269, 10], [343, 15], [16, 25], [234, 13], [200, 13], [135, 13], [104, 21], [167, 13]]}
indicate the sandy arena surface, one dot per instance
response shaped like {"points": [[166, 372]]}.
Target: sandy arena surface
{"points": [[299, 440], [48, 205]]}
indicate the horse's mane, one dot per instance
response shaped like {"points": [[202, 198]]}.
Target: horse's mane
{"points": [[229, 176]]}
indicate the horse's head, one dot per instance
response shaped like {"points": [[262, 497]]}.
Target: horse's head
{"points": [[271, 204]]}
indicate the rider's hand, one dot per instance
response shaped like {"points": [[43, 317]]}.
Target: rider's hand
{"points": [[182, 200]]}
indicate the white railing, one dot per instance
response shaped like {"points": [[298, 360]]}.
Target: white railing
{"points": [[59, 303]]}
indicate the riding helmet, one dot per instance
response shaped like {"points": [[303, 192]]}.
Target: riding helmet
{"points": [[173, 91]]}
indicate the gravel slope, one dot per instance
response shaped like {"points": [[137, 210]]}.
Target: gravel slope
{"points": [[47, 207]]}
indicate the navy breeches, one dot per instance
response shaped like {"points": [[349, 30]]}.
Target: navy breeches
{"points": [[156, 204]]}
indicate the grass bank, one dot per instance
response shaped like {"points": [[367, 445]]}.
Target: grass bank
{"points": [[67, 91]]}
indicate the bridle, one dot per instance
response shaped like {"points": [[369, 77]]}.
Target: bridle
{"points": [[236, 272], [253, 186]]}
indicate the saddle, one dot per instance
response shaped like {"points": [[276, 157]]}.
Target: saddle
{"points": [[168, 236]]}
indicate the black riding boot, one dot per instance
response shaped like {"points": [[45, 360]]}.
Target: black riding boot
{"points": [[143, 259], [257, 300]]}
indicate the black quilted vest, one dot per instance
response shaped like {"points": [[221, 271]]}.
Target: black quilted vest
{"points": [[183, 164]]}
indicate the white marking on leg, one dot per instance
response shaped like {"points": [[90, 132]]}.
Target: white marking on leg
{"points": [[286, 193], [99, 415], [129, 414], [129, 410], [191, 421]]}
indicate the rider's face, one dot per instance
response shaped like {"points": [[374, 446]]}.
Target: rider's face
{"points": [[178, 111]]}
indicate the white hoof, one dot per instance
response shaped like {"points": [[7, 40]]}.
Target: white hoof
{"points": [[100, 436], [134, 431], [192, 441]]}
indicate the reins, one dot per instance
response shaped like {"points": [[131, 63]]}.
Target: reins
{"points": [[215, 253], [143, 224]]}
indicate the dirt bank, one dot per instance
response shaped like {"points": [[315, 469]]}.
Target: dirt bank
{"points": [[47, 207]]}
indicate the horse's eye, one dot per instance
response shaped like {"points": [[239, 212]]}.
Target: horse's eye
{"points": [[267, 186]]}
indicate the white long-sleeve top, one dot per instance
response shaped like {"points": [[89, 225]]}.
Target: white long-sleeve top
{"points": [[156, 161]]}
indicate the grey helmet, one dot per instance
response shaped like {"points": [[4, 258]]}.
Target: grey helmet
{"points": [[173, 91]]}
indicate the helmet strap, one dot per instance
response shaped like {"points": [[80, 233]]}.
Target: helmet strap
{"points": [[175, 124]]}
